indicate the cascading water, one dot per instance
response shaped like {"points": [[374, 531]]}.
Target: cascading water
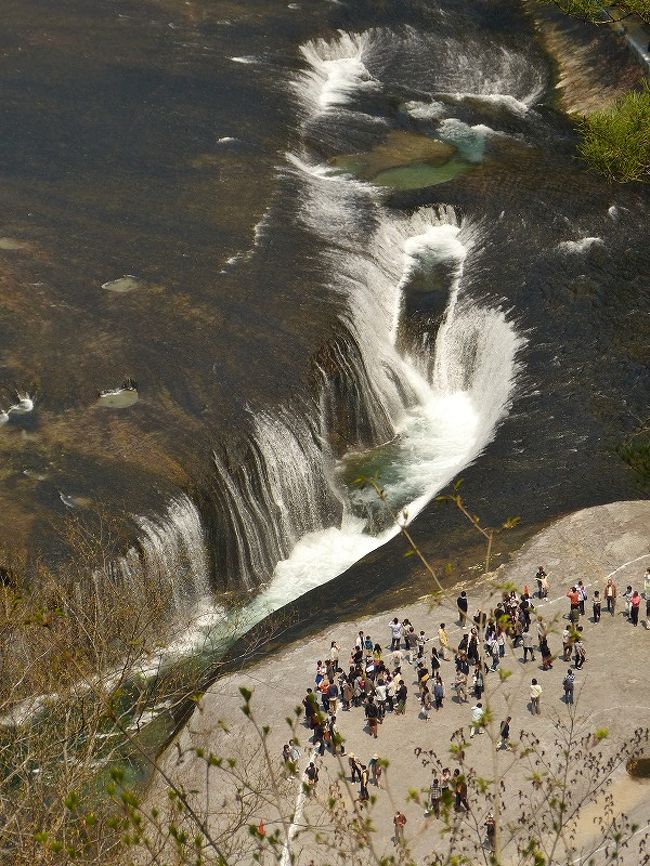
{"points": [[452, 409], [172, 550], [335, 72], [421, 401]]}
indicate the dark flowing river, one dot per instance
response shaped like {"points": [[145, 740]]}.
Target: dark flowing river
{"points": [[252, 251]]}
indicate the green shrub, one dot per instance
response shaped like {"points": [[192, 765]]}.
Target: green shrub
{"points": [[616, 142]]}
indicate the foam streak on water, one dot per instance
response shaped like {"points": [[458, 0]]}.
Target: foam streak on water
{"points": [[335, 71]]}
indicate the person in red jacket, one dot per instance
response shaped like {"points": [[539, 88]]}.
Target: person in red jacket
{"points": [[399, 821], [573, 597], [635, 602]]}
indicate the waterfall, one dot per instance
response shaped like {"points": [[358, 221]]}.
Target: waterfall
{"points": [[171, 552], [424, 414], [276, 493], [440, 61], [335, 71], [414, 401]]}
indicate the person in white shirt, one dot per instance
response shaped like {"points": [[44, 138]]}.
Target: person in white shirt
{"points": [[395, 627], [477, 719], [535, 697]]}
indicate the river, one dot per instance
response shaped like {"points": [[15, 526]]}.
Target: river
{"points": [[251, 253]]}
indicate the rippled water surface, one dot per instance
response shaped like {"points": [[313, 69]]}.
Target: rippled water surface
{"points": [[245, 210]]}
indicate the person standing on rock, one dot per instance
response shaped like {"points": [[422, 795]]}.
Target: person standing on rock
{"points": [[355, 770], [610, 596], [444, 641], [346, 694], [525, 608], [627, 595], [332, 697], [504, 731], [395, 627], [460, 792], [460, 685], [421, 641], [391, 692], [445, 782], [438, 692], [399, 822], [527, 644], [478, 682], [312, 777], [425, 698], [545, 587], [582, 597], [463, 606], [547, 658], [535, 697], [435, 795], [372, 715], [476, 719], [574, 600], [569, 684], [472, 648], [318, 737], [358, 689], [411, 641], [435, 661], [311, 708], [539, 577], [364, 796], [579, 650], [635, 603], [374, 767], [381, 694], [335, 739], [596, 606], [401, 695]]}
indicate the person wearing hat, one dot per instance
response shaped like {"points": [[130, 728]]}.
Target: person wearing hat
{"points": [[375, 768]]}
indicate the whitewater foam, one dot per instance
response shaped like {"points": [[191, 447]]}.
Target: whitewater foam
{"points": [[582, 245], [425, 110], [335, 72]]}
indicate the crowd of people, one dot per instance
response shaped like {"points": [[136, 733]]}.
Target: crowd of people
{"points": [[377, 682]]}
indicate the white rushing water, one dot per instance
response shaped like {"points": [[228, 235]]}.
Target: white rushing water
{"points": [[335, 71], [426, 407], [172, 549], [458, 406]]}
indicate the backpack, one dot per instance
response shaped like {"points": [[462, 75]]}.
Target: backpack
{"points": [[368, 644], [438, 690]]}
